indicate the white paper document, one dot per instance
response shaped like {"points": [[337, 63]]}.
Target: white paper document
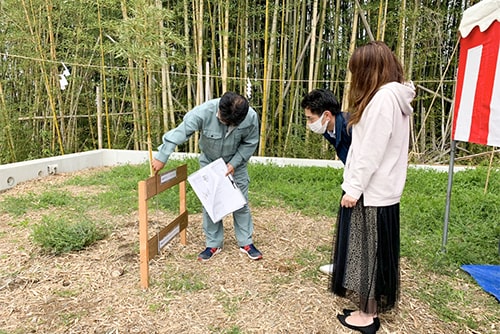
{"points": [[218, 193]]}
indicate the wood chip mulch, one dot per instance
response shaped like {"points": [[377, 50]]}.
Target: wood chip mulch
{"points": [[97, 290]]}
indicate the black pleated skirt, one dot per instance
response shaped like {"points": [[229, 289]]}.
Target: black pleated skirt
{"points": [[365, 256]]}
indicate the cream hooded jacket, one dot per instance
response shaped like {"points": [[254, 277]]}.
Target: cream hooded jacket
{"points": [[378, 157]]}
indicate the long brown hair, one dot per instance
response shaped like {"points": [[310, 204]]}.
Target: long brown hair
{"points": [[372, 66]]}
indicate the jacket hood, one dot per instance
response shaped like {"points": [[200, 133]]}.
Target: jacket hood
{"points": [[405, 93]]}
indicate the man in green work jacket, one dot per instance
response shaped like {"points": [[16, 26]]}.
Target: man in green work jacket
{"points": [[229, 128]]}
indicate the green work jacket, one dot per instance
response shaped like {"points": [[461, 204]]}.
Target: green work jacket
{"points": [[235, 147]]}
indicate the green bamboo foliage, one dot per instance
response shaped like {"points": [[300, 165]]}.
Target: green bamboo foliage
{"points": [[34, 26], [7, 144], [153, 60]]}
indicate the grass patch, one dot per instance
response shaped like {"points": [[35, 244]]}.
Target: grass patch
{"points": [[474, 228], [121, 184], [230, 304], [308, 259], [60, 234], [19, 205], [66, 293], [173, 281], [232, 330], [71, 317], [311, 190]]}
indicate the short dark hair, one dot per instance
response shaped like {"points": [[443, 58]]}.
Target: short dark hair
{"points": [[233, 108], [319, 100]]}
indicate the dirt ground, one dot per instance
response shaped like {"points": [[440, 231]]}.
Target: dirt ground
{"points": [[97, 290]]}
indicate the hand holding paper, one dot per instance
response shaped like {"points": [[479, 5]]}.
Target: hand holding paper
{"points": [[217, 192]]}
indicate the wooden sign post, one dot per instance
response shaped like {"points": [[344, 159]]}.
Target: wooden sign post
{"points": [[150, 247]]}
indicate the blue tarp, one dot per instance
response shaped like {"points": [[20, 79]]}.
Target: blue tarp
{"points": [[487, 276]]}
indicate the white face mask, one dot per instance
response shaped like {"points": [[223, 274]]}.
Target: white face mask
{"points": [[317, 126]]}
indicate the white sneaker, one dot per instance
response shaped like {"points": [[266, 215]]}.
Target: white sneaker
{"points": [[326, 269]]}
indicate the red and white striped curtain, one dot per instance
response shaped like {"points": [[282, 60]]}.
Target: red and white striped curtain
{"points": [[477, 97]]}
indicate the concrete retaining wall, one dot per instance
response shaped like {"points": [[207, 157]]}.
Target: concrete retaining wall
{"points": [[15, 173]]}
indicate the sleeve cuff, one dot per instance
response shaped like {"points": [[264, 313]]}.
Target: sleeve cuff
{"points": [[161, 157], [351, 191]]}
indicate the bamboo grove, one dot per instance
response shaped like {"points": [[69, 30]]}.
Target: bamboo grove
{"points": [[133, 68]]}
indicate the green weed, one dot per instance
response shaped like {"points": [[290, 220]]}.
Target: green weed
{"points": [[186, 282], [230, 304], [66, 293], [71, 317], [156, 307], [60, 234], [232, 330], [19, 205]]}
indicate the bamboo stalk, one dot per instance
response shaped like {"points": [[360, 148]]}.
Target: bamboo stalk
{"points": [[134, 98], [103, 76], [400, 52], [164, 69], [37, 41], [384, 21], [99, 116], [319, 44], [187, 35], [224, 33], [297, 65], [336, 36], [4, 124], [148, 122], [265, 84], [269, 50], [198, 18], [312, 58], [54, 72], [361, 12], [244, 43], [283, 46], [352, 46], [409, 71]]}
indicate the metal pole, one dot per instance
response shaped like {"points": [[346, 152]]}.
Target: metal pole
{"points": [[448, 196]]}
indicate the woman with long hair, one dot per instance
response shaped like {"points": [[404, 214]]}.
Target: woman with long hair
{"points": [[366, 250]]}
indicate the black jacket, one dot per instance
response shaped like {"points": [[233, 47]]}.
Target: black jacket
{"points": [[342, 140]]}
